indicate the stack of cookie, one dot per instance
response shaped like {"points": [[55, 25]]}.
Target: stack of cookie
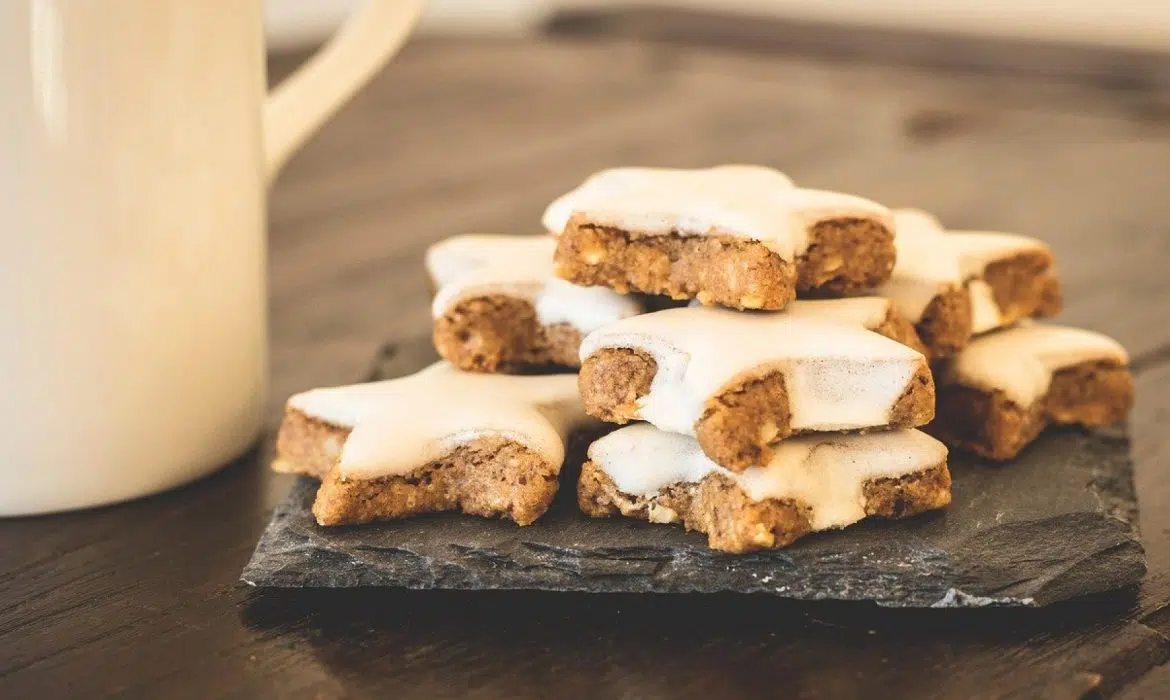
{"points": [[766, 418], [1001, 378], [774, 340], [465, 434]]}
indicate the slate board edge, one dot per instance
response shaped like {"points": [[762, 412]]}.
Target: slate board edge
{"points": [[1108, 451]]}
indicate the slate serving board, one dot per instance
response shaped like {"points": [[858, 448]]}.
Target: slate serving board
{"points": [[1057, 523]]}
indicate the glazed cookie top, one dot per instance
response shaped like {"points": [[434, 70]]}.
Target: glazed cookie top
{"points": [[839, 375], [932, 261], [400, 424], [869, 312], [1021, 360], [744, 201], [519, 266], [826, 472]]}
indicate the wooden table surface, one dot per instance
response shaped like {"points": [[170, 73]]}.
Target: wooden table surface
{"points": [[142, 600]]}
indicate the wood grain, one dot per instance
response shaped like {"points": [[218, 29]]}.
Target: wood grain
{"points": [[933, 49], [141, 600]]}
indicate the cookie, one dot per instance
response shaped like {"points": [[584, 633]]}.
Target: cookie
{"points": [[811, 483], [739, 381], [956, 284], [438, 440], [1004, 388], [736, 235], [498, 306]]}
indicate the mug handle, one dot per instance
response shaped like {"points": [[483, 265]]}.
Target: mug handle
{"points": [[303, 102]]}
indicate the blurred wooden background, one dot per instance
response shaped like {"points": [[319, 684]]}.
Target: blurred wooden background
{"points": [[457, 135], [1122, 23]]}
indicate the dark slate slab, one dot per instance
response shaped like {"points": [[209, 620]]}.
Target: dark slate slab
{"points": [[1058, 523]]}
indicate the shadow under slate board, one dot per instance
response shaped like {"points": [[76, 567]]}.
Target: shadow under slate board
{"points": [[1057, 523]]}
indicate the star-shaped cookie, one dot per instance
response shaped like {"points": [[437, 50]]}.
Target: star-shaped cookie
{"points": [[810, 483], [740, 382], [438, 440], [737, 235], [498, 306], [956, 284], [998, 394]]}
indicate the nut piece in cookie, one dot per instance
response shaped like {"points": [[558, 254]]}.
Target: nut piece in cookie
{"points": [[740, 382], [438, 440], [812, 483], [737, 235], [956, 284], [1004, 388], [498, 306]]}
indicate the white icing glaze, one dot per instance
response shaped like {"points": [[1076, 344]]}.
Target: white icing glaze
{"points": [[869, 312], [985, 313], [1021, 360], [826, 472], [401, 424], [747, 201], [839, 375], [932, 261], [519, 266]]}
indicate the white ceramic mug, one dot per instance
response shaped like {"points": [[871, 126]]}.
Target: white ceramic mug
{"points": [[136, 143]]}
